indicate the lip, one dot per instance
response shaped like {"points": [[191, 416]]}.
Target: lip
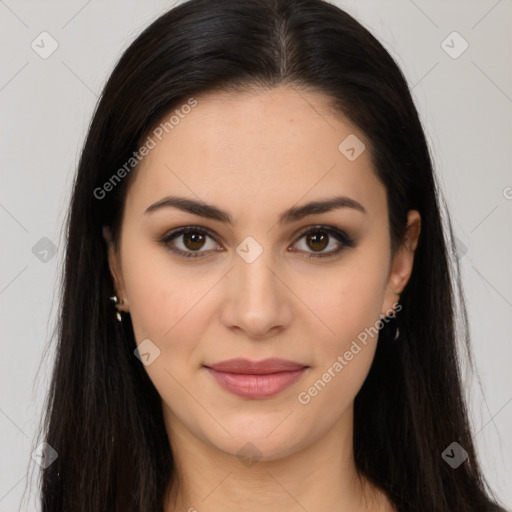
{"points": [[256, 379], [271, 365]]}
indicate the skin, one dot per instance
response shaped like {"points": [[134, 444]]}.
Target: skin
{"points": [[256, 155]]}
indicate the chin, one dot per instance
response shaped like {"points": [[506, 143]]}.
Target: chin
{"points": [[266, 440]]}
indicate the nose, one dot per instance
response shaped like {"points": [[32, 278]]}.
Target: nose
{"points": [[257, 298]]}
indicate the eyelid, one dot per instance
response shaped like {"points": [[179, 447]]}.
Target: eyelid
{"points": [[338, 234], [176, 233]]}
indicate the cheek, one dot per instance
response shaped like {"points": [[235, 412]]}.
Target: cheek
{"points": [[167, 306], [343, 357], [349, 301], [349, 307], [161, 292]]}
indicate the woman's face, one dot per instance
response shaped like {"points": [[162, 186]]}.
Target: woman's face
{"points": [[259, 286]]}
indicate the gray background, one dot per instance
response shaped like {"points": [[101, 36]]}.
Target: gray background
{"points": [[46, 105]]}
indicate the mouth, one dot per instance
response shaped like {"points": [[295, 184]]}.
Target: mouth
{"points": [[256, 379]]}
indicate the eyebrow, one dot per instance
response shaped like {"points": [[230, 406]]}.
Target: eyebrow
{"points": [[293, 214]]}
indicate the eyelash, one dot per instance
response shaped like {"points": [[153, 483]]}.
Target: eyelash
{"points": [[340, 236]]}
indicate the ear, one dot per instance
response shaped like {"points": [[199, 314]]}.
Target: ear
{"points": [[402, 264], [114, 264]]}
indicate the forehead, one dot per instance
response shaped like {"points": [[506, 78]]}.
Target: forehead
{"points": [[257, 150]]}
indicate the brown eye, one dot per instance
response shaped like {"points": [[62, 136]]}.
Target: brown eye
{"points": [[193, 240], [188, 242], [317, 239]]}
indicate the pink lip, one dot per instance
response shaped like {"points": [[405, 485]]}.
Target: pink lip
{"points": [[263, 367], [256, 379]]}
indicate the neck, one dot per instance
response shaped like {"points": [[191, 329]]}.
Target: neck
{"points": [[319, 476]]}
